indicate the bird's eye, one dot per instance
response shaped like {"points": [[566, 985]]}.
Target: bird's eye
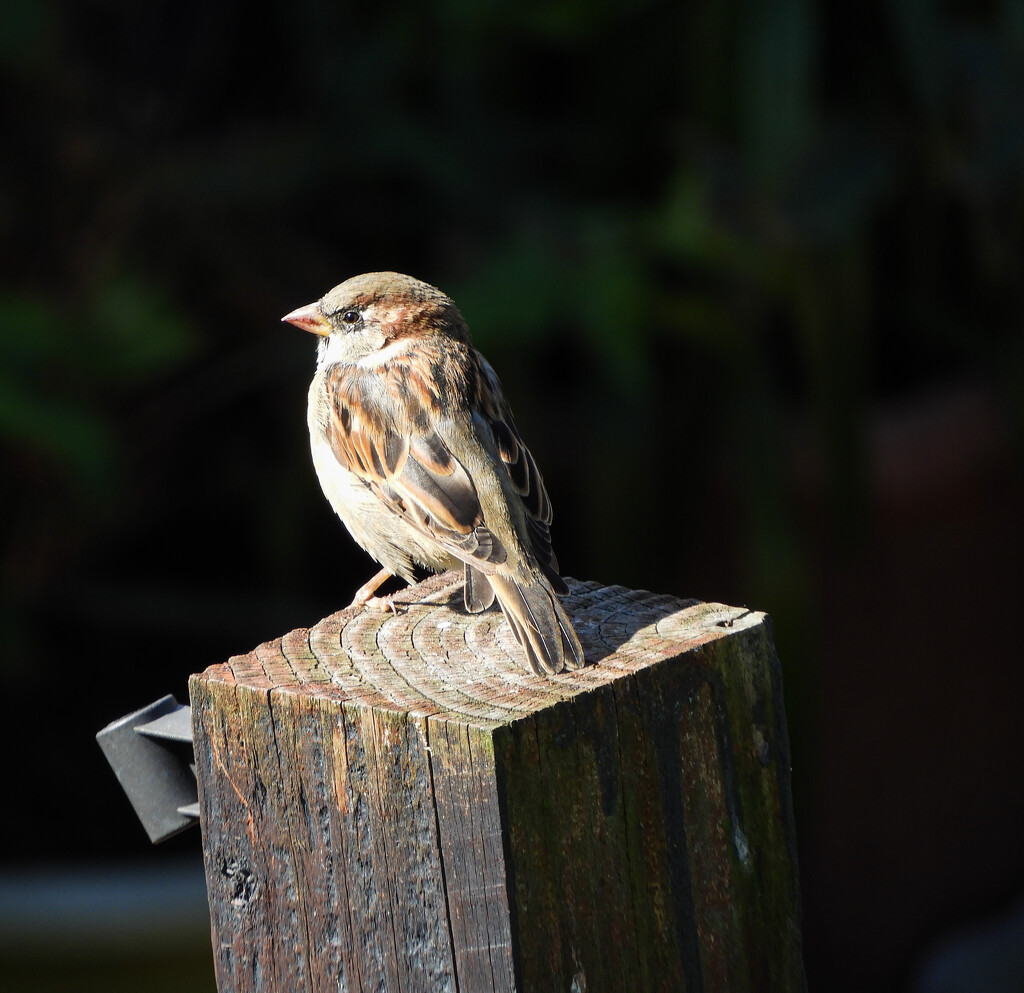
{"points": [[351, 317]]}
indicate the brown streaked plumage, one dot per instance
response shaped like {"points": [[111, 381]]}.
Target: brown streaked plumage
{"points": [[417, 451]]}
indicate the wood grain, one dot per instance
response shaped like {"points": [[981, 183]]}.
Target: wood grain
{"points": [[393, 803]]}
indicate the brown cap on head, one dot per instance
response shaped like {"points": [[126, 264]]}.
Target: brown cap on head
{"points": [[391, 294]]}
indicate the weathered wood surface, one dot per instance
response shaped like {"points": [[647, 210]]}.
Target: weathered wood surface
{"points": [[392, 803]]}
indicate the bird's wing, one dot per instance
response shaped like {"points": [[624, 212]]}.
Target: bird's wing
{"points": [[492, 409], [379, 428], [382, 426]]}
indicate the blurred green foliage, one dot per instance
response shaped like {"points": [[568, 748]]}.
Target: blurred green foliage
{"points": [[58, 369]]}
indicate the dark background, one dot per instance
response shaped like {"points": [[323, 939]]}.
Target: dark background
{"points": [[751, 274]]}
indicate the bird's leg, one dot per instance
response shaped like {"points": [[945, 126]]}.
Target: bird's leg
{"points": [[365, 594]]}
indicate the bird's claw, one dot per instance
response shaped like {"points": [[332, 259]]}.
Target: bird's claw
{"points": [[385, 604], [366, 595]]}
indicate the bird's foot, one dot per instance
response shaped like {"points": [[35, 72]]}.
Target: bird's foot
{"points": [[365, 595]]}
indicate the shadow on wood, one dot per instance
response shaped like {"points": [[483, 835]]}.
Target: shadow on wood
{"points": [[394, 803]]}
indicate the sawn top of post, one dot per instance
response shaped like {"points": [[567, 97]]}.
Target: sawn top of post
{"points": [[434, 659]]}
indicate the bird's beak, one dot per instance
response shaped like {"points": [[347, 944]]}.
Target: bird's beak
{"points": [[309, 318]]}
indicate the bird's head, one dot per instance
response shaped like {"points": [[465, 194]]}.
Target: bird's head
{"points": [[366, 314]]}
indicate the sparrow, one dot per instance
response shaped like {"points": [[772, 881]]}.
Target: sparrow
{"points": [[416, 449]]}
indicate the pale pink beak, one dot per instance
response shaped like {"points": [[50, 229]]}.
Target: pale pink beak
{"points": [[309, 318]]}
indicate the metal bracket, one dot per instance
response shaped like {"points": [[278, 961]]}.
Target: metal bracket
{"points": [[151, 754]]}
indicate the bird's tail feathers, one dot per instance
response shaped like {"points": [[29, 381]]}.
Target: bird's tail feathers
{"points": [[477, 592], [539, 623]]}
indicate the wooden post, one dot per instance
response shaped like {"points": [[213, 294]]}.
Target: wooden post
{"points": [[392, 803]]}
